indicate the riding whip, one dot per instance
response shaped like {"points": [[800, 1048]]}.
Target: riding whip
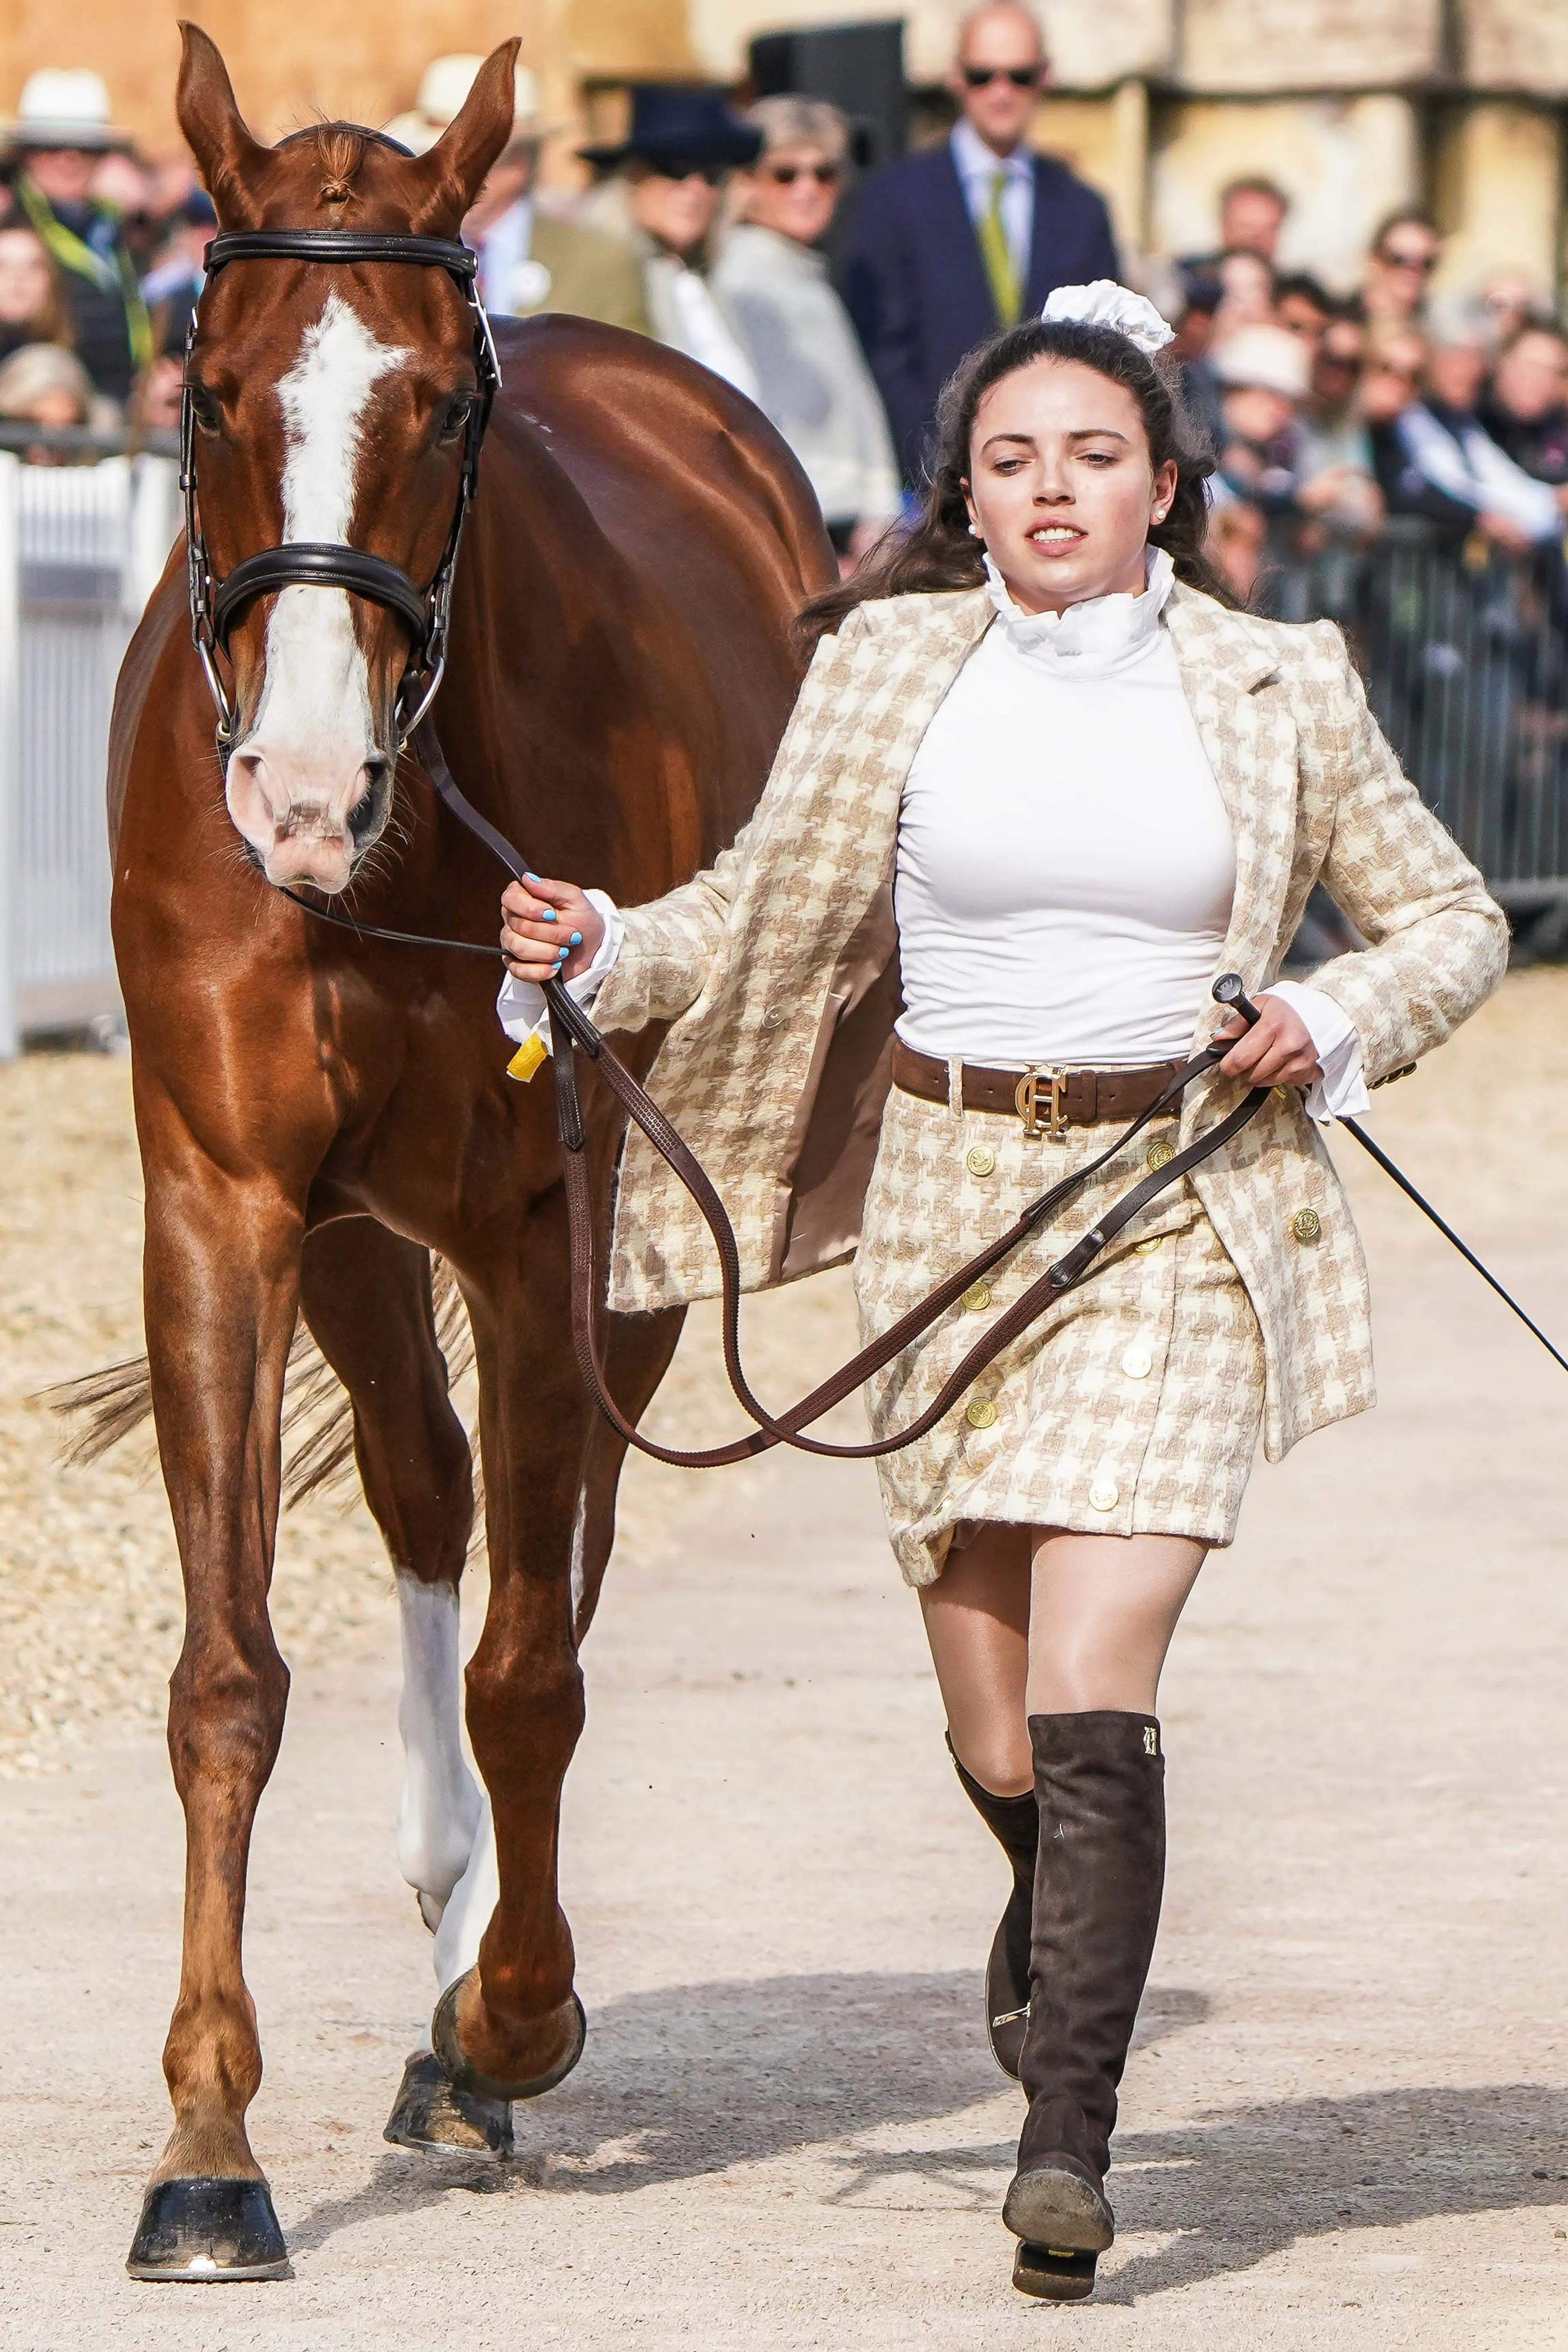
{"points": [[1228, 991]]}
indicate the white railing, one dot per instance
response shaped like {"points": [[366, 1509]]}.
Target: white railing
{"points": [[82, 548]]}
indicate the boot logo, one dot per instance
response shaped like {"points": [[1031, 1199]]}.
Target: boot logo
{"points": [[1151, 1740]]}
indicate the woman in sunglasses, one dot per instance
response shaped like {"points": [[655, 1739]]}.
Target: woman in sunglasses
{"points": [[813, 379]]}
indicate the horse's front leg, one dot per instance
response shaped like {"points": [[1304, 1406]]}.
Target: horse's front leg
{"points": [[507, 2025], [221, 1280]]}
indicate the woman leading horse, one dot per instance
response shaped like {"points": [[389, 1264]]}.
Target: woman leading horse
{"points": [[1042, 783]]}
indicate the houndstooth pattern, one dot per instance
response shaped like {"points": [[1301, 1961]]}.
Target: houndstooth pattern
{"points": [[742, 960], [1131, 1408]]}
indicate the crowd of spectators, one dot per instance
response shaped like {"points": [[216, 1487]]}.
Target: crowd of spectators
{"points": [[1338, 419], [841, 302], [99, 258]]}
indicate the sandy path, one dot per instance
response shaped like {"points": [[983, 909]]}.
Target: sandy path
{"points": [[1346, 2120]]}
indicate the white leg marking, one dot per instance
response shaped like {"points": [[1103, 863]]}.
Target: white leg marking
{"points": [[441, 1808], [579, 1528], [468, 1908], [313, 728]]}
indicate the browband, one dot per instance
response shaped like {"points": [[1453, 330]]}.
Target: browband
{"points": [[340, 245], [303, 563]]}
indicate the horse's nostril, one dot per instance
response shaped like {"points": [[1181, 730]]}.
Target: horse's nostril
{"points": [[366, 812]]}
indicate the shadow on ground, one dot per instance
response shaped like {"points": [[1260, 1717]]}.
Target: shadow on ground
{"points": [[1241, 2187], [691, 2079]]}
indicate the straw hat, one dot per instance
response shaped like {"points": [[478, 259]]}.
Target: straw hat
{"points": [[444, 86], [65, 109]]}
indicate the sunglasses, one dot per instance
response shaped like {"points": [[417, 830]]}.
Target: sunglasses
{"points": [[1424, 262], [1021, 77], [784, 175], [680, 167]]}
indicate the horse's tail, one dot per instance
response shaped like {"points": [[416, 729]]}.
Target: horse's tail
{"points": [[102, 1408]]}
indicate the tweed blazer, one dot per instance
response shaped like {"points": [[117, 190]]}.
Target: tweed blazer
{"points": [[777, 971]]}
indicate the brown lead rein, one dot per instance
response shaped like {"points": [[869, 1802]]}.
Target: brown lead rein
{"points": [[573, 1032], [570, 1028]]}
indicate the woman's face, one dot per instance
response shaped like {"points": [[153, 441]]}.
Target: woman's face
{"points": [[676, 206], [792, 191], [1062, 486], [23, 277]]}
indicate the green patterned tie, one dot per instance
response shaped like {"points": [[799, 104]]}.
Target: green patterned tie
{"points": [[1001, 269]]}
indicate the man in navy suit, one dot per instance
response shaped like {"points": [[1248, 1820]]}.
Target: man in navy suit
{"points": [[955, 241]]}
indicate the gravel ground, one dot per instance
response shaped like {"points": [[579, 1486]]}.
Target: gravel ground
{"points": [[1346, 2122]]}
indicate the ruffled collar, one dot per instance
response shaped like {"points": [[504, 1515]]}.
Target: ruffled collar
{"points": [[1102, 634]]}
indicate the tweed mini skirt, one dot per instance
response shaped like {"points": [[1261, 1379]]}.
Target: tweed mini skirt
{"points": [[1132, 1407]]}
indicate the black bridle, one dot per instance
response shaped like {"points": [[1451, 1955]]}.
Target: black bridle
{"points": [[426, 612]]}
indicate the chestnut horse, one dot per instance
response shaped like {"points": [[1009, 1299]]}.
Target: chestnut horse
{"points": [[319, 1112]]}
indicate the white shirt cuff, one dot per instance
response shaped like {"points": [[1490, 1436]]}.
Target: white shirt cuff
{"points": [[521, 1006], [1341, 1092]]}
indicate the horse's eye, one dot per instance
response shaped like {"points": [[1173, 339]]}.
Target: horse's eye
{"points": [[205, 408], [457, 417]]}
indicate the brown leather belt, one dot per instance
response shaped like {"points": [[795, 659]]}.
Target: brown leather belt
{"points": [[1046, 1099]]}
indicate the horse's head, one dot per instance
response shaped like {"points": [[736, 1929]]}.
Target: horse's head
{"points": [[330, 403]]}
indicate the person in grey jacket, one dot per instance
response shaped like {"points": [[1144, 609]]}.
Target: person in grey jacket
{"points": [[813, 380]]}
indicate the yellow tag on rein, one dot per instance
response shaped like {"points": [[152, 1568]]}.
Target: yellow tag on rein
{"points": [[527, 1058]]}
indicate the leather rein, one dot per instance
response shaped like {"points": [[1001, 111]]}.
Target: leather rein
{"points": [[426, 613]]}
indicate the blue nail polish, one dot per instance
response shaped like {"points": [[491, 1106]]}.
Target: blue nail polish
{"points": [[562, 954], [576, 939], [530, 876], [548, 915]]}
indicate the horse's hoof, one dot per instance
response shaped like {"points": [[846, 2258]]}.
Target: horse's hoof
{"points": [[428, 2112], [464, 2076], [1054, 2274], [208, 2230]]}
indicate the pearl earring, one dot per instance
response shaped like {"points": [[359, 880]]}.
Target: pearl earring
{"points": [[974, 530]]}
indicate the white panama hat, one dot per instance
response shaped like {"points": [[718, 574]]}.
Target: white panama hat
{"points": [[62, 107], [443, 85]]}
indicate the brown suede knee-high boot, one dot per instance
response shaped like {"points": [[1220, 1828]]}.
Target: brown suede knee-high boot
{"points": [[1015, 1823], [1100, 1781]]}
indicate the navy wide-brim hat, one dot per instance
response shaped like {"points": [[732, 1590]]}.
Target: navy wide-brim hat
{"points": [[672, 123]]}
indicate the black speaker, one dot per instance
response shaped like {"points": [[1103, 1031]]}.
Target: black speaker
{"points": [[860, 68]]}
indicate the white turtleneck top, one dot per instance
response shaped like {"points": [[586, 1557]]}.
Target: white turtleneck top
{"points": [[1066, 864]]}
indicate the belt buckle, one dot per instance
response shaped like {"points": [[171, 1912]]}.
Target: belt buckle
{"points": [[1027, 1098]]}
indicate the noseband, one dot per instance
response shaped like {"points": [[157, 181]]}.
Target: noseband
{"points": [[426, 612]]}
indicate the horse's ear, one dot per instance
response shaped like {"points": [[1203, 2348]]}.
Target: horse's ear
{"points": [[229, 159], [451, 174]]}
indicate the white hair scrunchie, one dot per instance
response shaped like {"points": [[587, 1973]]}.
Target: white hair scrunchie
{"points": [[1106, 304]]}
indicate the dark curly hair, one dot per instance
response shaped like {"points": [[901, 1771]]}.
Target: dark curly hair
{"points": [[940, 553]]}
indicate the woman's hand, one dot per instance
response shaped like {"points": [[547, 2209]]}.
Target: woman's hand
{"points": [[548, 929], [1276, 1051]]}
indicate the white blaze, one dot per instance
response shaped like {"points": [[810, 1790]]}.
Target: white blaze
{"points": [[441, 1808], [313, 728]]}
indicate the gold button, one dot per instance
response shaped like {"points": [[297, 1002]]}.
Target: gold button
{"points": [[981, 1161], [1306, 1224], [1104, 1495], [1137, 1363], [1159, 1155], [981, 1413], [977, 1298], [1143, 1249]]}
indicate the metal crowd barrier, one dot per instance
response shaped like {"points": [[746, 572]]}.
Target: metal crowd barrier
{"points": [[82, 545], [1465, 656]]}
